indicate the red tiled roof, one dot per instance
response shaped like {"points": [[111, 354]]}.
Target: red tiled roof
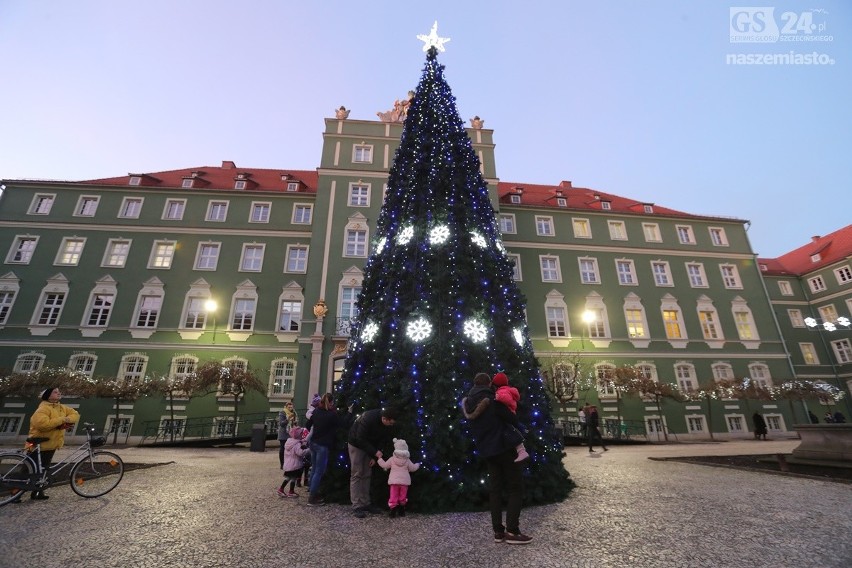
{"points": [[831, 248], [221, 177], [535, 195]]}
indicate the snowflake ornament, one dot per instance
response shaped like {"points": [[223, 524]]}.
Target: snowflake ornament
{"points": [[519, 336], [405, 236], [380, 246], [439, 235], [369, 332], [419, 329], [478, 239], [475, 330]]}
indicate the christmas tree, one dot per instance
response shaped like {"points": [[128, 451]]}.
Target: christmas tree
{"points": [[438, 304]]}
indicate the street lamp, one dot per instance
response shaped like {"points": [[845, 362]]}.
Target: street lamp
{"points": [[210, 307], [588, 318]]}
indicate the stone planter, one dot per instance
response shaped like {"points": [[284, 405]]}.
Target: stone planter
{"points": [[824, 442]]}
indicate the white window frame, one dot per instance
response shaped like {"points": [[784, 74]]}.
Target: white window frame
{"points": [[722, 372], [217, 211], [162, 259], [685, 376], [637, 328], [182, 366], [83, 363], [589, 270], [651, 232], [674, 327], [148, 309], [557, 321], [508, 225], [29, 362], [282, 378], [260, 212], [626, 271], [809, 353], [134, 180], [718, 236], [51, 304], [696, 275], [817, 284], [293, 263], [70, 251], [300, 210], [597, 328], [581, 227], [796, 317], [731, 276], [174, 210], [736, 423], [550, 268], [517, 273], [744, 320], [114, 259], [87, 206], [357, 236], [99, 307], [359, 194], [661, 269], [362, 154], [617, 230], [42, 204], [24, 253], [292, 317], [708, 320], [843, 274], [9, 288], [685, 236], [131, 207], [249, 260], [205, 260], [515, 199], [842, 351], [242, 316], [544, 226], [828, 313], [785, 288], [759, 373]]}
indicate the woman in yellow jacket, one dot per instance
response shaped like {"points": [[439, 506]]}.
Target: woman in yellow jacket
{"points": [[50, 420]]}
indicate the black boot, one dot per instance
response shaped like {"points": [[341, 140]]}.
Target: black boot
{"points": [[401, 510], [39, 495], [392, 513]]}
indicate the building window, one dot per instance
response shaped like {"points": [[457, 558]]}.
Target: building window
{"points": [[604, 374], [173, 211], [290, 316], [662, 273], [722, 372], [22, 250], [744, 322], [83, 363], [515, 199], [735, 423], [359, 195], [87, 205], [297, 259], [695, 271], [617, 231], [596, 326], [149, 311], [186, 183], [626, 272], [100, 309], [561, 202], [817, 284], [243, 314], [843, 275], [252, 258], [196, 313], [718, 236], [70, 251], [550, 271], [709, 326], [207, 256], [635, 319], [115, 255], [134, 180], [842, 351], [581, 228], [302, 214], [217, 211], [362, 153], [282, 377], [796, 319], [556, 321], [182, 367], [685, 374], [606, 205], [730, 276], [544, 226], [695, 424], [28, 363], [684, 235], [131, 208], [348, 308], [785, 288], [162, 253], [828, 313], [51, 308], [759, 373], [672, 323], [651, 232], [260, 212], [42, 204], [356, 242], [7, 299], [293, 186], [515, 259], [240, 184], [809, 354], [507, 224], [589, 271]]}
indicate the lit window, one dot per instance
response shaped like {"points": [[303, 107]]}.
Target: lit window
{"points": [[70, 251], [162, 253], [709, 324], [651, 232], [796, 319], [809, 353], [581, 228], [671, 321], [635, 319], [115, 255], [617, 231]]}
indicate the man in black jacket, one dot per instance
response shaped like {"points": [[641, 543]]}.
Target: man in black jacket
{"points": [[495, 438], [371, 430]]}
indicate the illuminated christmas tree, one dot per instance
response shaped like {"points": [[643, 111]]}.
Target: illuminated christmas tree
{"points": [[438, 304]]}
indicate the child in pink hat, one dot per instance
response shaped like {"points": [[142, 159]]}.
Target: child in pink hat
{"points": [[510, 397]]}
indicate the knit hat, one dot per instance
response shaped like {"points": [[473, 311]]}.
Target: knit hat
{"points": [[46, 394], [296, 432], [400, 448], [500, 380]]}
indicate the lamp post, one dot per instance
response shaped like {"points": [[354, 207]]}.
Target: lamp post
{"points": [[588, 319], [210, 307]]}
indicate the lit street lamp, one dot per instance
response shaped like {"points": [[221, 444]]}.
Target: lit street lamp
{"points": [[210, 307]]}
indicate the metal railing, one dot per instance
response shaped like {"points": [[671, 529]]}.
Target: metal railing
{"points": [[207, 429], [610, 428]]}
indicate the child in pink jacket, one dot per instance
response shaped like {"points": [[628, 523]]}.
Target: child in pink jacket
{"points": [[400, 466], [510, 397]]}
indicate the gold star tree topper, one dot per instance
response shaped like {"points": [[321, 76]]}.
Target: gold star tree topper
{"points": [[432, 40]]}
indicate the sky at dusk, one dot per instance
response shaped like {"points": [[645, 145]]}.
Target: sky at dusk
{"points": [[703, 107]]}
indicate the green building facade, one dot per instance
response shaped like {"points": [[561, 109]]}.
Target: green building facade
{"points": [[112, 277]]}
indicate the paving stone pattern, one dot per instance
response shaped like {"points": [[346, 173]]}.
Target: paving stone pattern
{"points": [[216, 508]]}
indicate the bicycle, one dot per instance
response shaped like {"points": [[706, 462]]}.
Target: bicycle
{"points": [[93, 472]]}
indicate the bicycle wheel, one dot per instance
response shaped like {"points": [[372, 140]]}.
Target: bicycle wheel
{"points": [[15, 473], [97, 474]]}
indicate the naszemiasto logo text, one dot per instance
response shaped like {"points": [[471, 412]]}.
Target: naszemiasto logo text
{"points": [[752, 24], [790, 58]]}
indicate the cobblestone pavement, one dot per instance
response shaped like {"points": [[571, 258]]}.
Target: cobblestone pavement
{"points": [[217, 507]]}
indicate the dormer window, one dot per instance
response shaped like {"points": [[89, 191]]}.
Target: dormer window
{"points": [[816, 257], [515, 198], [135, 180], [648, 208], [187, 183], [763, 267], [606, 205], [293, 186], [240, 184], [561, 202]]}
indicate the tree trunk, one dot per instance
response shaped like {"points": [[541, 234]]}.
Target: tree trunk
{"points": [[115, 422], [662, 422], [709, 418]]}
